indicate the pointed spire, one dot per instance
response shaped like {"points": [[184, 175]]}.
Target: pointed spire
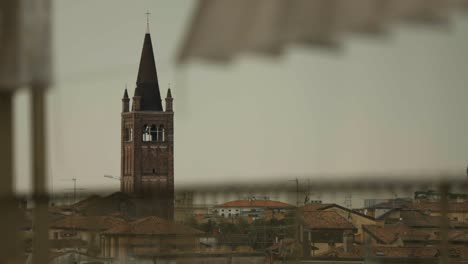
{"points": [[125, 93], [169, 100], [169, 93], [147, 69], [125, 101], [147, 79]]}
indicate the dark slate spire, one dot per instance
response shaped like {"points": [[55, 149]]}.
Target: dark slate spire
{"points": [[147, 79], [125, 101], [169, 93], [169, 100]]}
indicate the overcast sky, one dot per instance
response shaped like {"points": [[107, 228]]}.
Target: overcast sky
{"points": [[394, 104]]}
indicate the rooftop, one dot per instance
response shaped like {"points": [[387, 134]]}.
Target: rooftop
{"points": [[325, 220], [80, 222], [153, 225]]}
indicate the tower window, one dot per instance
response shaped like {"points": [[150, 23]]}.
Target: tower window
{"points": [[154, 133], [146, 133], [161, 135]]}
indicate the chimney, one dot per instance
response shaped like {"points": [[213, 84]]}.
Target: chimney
{"points": [[348, 240]]}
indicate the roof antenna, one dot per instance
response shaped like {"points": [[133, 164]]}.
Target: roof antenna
{"points": [[147, 21]]}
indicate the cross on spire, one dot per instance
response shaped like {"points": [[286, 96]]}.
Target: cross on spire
{"points": [[147, 20]]}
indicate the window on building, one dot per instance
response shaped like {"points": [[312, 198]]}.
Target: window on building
{"points": [[146, 133], [154, 133], [161, 133]]}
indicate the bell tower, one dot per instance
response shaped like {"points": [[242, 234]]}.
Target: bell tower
{"points": [[147, 141]]}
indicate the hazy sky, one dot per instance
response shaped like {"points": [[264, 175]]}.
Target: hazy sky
{"points": [[394, 104]]}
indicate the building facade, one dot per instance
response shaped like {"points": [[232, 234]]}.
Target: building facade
{"points": [[147, 142], [256, 209]]}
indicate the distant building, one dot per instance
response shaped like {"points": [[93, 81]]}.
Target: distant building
{"points": [[378, 207], [432, 195], [147, 141], [456, 211], [320, 231], [251, 208], [81, 231], [355, 217]]}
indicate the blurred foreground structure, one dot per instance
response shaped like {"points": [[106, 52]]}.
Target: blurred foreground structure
{"points": [[220, 30]]}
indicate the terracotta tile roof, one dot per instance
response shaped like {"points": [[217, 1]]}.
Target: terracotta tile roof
{"points": [[256, 203], [153, 225], [314, 207], [390, 233], [325, 220], [386, 234], [99, 205], [420, 218], [320, 207], [80, 222]]}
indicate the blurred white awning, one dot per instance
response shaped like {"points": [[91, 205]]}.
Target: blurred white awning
{"points": [[221, 29], [25, 43]]}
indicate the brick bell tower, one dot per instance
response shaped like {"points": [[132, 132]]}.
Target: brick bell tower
{"points": [[147, 152]]}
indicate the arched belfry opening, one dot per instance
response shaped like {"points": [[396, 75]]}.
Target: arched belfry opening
{"points": [[154, 133], [161, 133], [146, 133]]}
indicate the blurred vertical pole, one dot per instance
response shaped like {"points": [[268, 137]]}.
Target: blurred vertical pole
{"points": [[444, 189], [41, 236], [9, 224]]}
